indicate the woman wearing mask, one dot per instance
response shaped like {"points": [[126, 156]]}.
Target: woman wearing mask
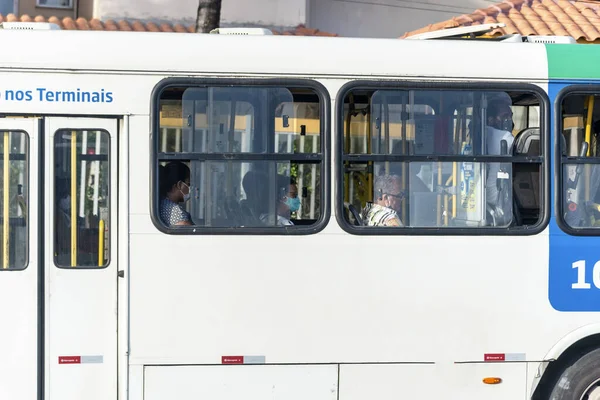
{"points": [[175, 189]]}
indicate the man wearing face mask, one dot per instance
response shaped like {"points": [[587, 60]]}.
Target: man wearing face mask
{"points": [[293, 201], [499, 128], [499, 124], [175, 189]]}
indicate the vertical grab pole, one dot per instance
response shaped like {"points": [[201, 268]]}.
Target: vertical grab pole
{"points": [[588, 124], [588, 139], [100, 242], [455, 187], [5, 238], [439, 196], [73, 198]]}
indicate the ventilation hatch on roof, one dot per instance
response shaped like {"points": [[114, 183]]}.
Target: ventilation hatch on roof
{"points": [[241, 31], [29, 26]]}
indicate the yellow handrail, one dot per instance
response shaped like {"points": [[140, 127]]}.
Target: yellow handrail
{"points": [[588, 139], [455, 187], [588, 123], [5, 238], [74, 199], [100, 242]]}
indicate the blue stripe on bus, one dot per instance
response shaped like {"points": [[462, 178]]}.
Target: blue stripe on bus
{"points": [[566, 250]]}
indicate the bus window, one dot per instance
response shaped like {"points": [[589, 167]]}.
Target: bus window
{"points": [[253, 156], [14, 149], [81, 198], [580, 162], [441, 158]]}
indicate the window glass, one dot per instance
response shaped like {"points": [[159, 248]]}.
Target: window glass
{"points": [[55, 3], [486, 165], [580, 160], [14, 194], [239, 157], [81, 198]]}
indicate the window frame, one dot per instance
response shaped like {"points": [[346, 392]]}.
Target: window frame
{"points": [[442, 86], [558, 163], [69, 7], [26, 158], [111, 175], [324, 159]]}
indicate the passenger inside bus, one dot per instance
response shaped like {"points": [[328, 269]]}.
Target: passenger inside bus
{"points": [[292, 199], [174, 189], [499, 141], [388, 202], [282, 203]]}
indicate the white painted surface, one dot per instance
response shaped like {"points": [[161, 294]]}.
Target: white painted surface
{"points": [[272, 55], [467, 381], [19, 293], [276, 382], [81, 304], [389, 381]]}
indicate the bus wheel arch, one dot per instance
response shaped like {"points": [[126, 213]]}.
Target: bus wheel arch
{"points": [[570, 351]]}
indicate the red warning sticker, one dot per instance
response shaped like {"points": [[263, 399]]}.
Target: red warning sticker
{"points": [[493, 357], [69, 359], [232, 359]]}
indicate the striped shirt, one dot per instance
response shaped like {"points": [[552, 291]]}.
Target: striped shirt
{"points": [[376, 215]]}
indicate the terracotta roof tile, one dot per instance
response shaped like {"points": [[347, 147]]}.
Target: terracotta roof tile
{"points": [[577, 18], [138, 26]]}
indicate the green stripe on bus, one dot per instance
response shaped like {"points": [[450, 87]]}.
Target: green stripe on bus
{"points": [[573, 61]]}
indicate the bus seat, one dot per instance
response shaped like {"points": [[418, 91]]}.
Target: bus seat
{"points": [[526, 177], [527, 142], [355, 214], [256, 202]]}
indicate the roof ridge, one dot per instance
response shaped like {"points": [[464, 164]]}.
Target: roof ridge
{"points": [[577, 18]]}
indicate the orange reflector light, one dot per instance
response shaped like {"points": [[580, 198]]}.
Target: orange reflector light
{"points": [[492, 380]]}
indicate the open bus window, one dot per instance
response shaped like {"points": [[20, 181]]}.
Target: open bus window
{"points": [[14, 148], [81, 198], [441, 159], [580, 161], [253, 157]]}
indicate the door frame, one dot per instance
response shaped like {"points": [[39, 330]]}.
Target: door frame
{"points": [[51, 274]]}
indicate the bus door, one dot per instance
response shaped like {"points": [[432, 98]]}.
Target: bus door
{"points": [[19, 260], [81, 258]]}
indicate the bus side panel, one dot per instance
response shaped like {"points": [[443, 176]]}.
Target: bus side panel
{"points": [[233, 382]]}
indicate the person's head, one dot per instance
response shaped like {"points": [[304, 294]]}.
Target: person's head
{"points": [[287, 196], [176, 181], [292, 199], [499, 113], [388, 191]]}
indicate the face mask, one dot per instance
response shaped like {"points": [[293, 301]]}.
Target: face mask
{"points": [[293, 203], [187, 196]]}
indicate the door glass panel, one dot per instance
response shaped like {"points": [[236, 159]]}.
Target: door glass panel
{"points": [[81, 194], [13, 199]]}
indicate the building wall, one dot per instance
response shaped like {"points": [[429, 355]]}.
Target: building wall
{"points": [[385, 18], [6, 6], [81, 8], [270, 13]]}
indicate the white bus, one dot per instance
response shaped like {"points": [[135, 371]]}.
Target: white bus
{"points": [[265, 217]]}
